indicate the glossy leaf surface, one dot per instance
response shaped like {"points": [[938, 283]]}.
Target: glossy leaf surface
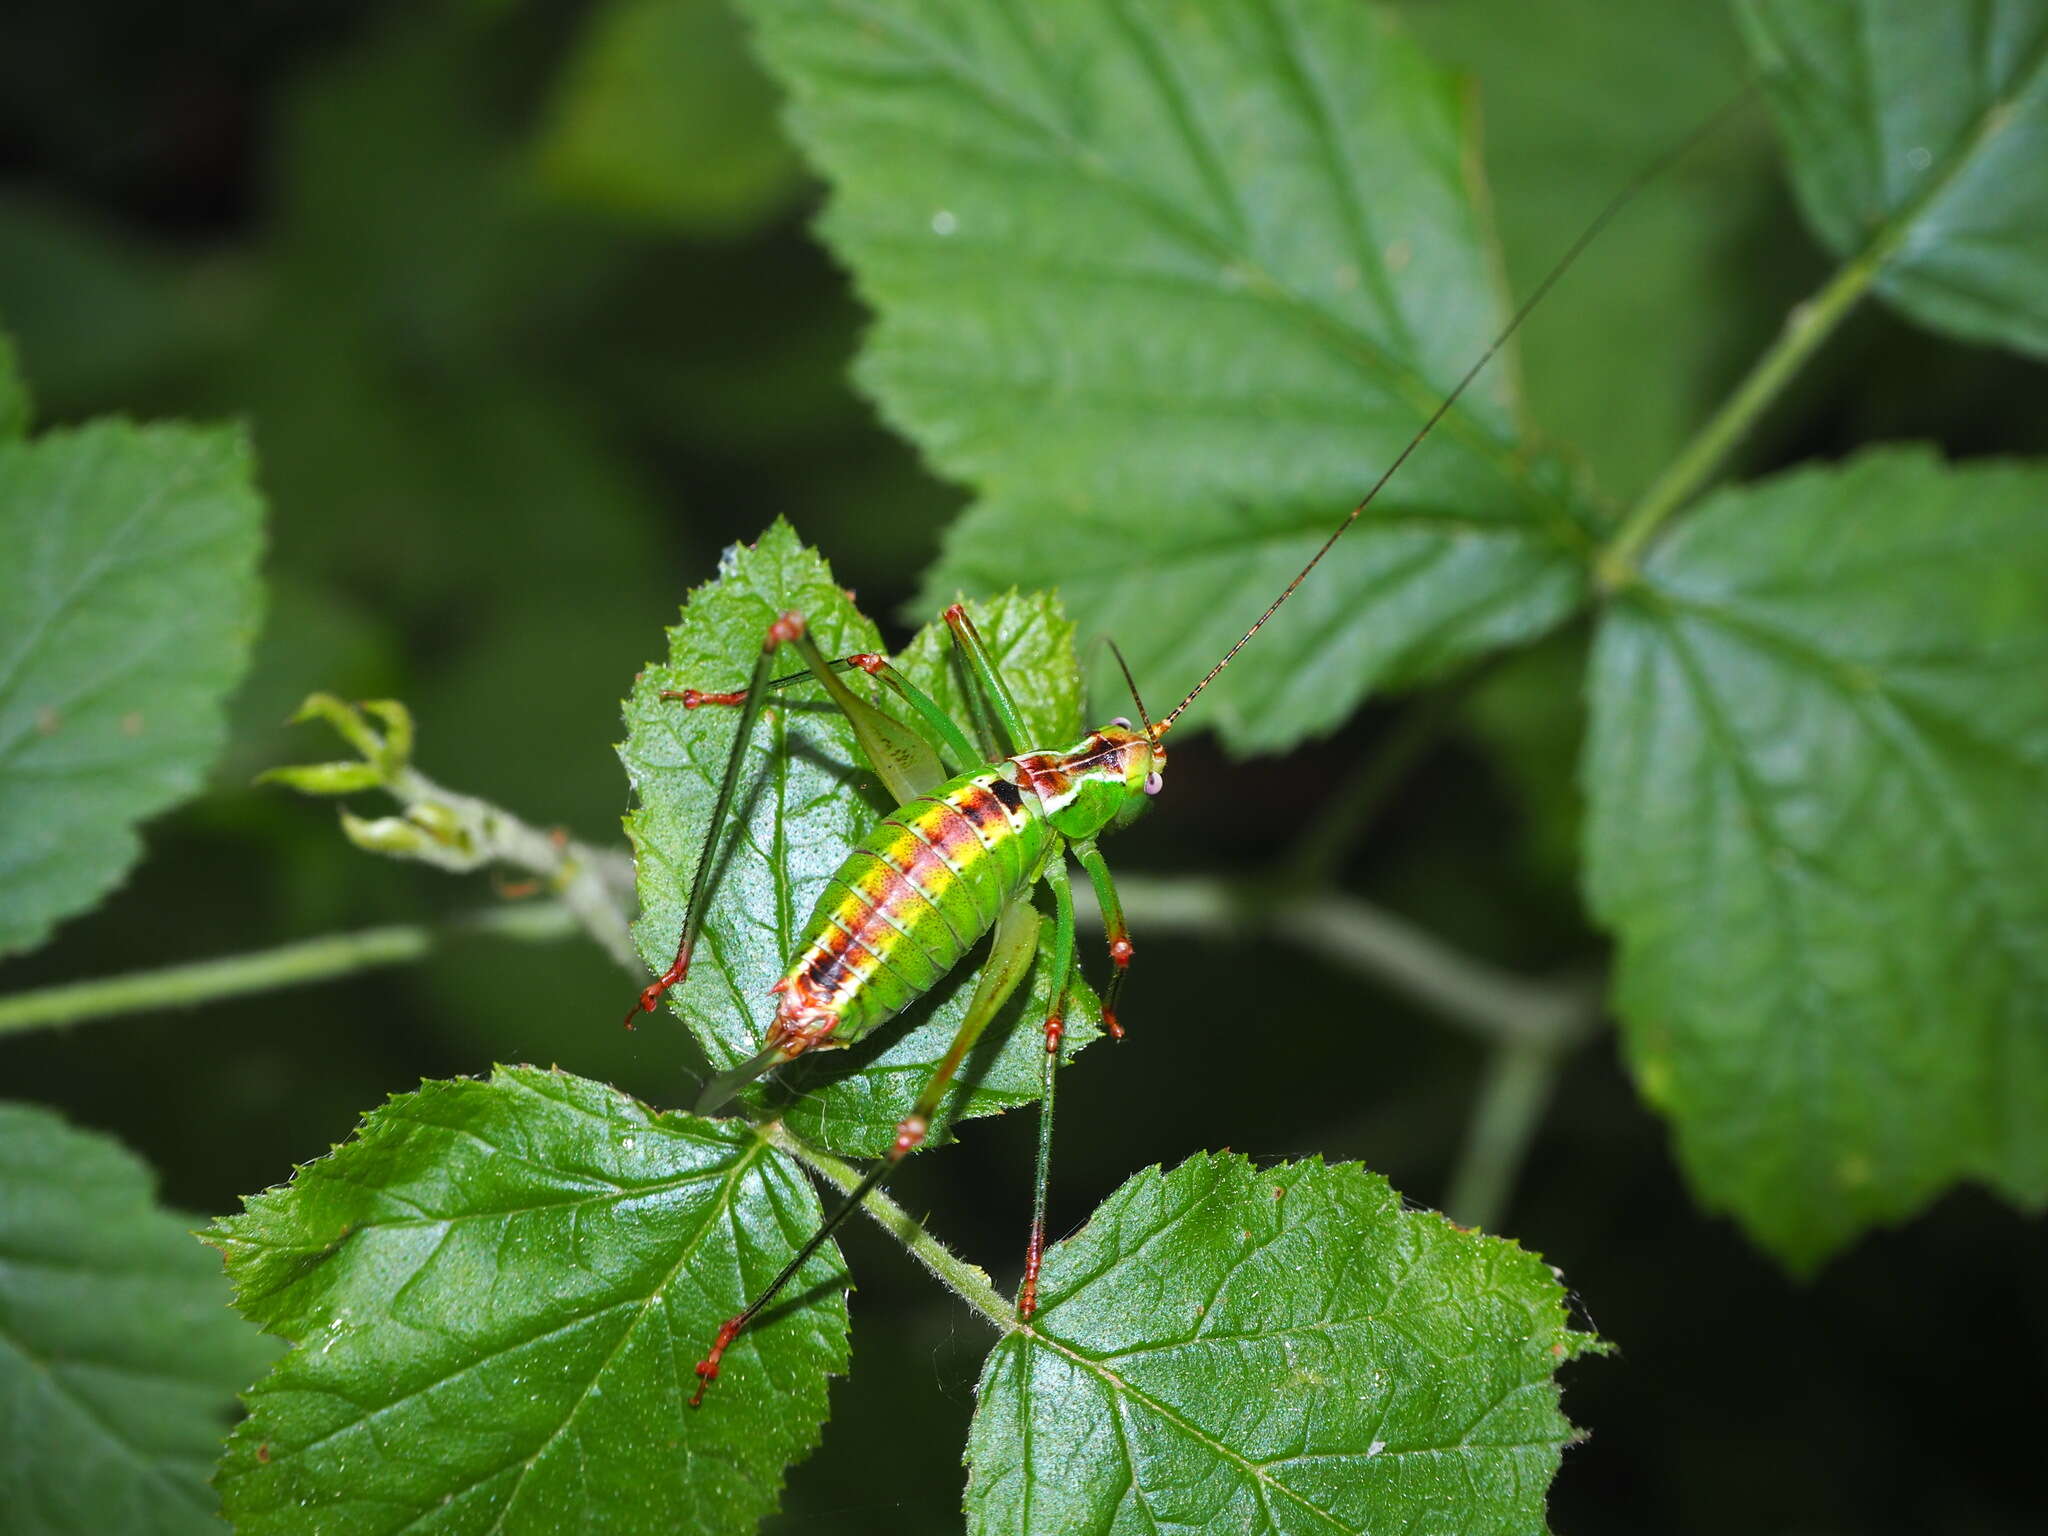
{"points": [[1232, 1348], [119, 1355], [128, 603], [805, 800], [498, 1291], [1816, 774], [1168, 284]]}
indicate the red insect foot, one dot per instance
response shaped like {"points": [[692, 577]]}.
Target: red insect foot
{"points": [[787, 627], [1055, 1031], [1034, 1256], [1116, 1030], [707, 1368], [651, 994], [869, 662], [1120, 951], [910, 1134]]}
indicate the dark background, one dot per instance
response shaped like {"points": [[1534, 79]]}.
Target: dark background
{"points": [[507, 412]]}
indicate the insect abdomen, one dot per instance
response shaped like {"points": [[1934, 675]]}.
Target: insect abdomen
{"points": [[912, 898]]}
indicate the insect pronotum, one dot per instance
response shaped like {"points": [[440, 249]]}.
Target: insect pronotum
{"points": [[960, 856]]}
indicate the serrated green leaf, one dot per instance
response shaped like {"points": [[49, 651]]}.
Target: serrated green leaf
{"points": [[806, 800], [1920, 129], [498, 1290], [128, 602], [663, 115], [119, 1356], [1168, 283], [1816, 772], [1228, 1348], [15, 407]]}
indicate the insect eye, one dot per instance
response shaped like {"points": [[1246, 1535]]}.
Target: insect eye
{"points": [[1153, 783], [1121, 723]]}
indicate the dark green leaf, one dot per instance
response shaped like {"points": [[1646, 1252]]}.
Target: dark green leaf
{"points": [[498, 1290], [15, 406], [119, 1356], [1817, 771], [664, 116], [128, 602], [805, 800], [1921, 131], [1168, 284], [1230, 1348]]}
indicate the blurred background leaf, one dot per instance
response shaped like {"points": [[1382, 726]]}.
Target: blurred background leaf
{"points": [[129, 601], [119, 1357], [1921, 127], [662, 116]]}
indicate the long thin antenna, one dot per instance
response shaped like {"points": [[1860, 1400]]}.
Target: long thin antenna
{"points": [[1586, 237], [1132, 683]]}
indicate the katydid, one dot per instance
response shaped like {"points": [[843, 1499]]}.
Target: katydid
{"points": [[959, 858]]}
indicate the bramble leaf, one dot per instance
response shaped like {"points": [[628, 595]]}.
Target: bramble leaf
{"points": [[1168, 284], [128, 602], [1919, 131], [1232, 1348], [498, 1290], [119, 1356], [1817, 769], [805, 800]]}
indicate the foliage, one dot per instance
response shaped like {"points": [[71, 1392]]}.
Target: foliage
{"points": [[1233, 1348], [118, 1360], [1236, 260], [1163, 286], [129, 602], [497, 1289], [1918, 130], [1823, 679]]}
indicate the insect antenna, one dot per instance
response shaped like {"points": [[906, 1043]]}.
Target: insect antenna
{"points": [[1615, 204], [1131, 683]]}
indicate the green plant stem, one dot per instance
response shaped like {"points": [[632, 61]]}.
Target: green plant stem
{"points": [[968, 1281], [1805, 328], [1490, 1002], [1513, 1095], [288, 965]]}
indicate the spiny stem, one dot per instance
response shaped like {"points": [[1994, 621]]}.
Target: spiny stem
{"points": [[969, 1282], [264, 970]]}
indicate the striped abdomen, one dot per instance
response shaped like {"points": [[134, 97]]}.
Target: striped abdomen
{"points": [[907, 905]]}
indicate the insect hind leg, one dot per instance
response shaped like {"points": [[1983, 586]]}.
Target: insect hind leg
{"points": [[787, 627]]}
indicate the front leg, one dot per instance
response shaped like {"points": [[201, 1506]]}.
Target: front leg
{"points": [[1112, 925]]}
